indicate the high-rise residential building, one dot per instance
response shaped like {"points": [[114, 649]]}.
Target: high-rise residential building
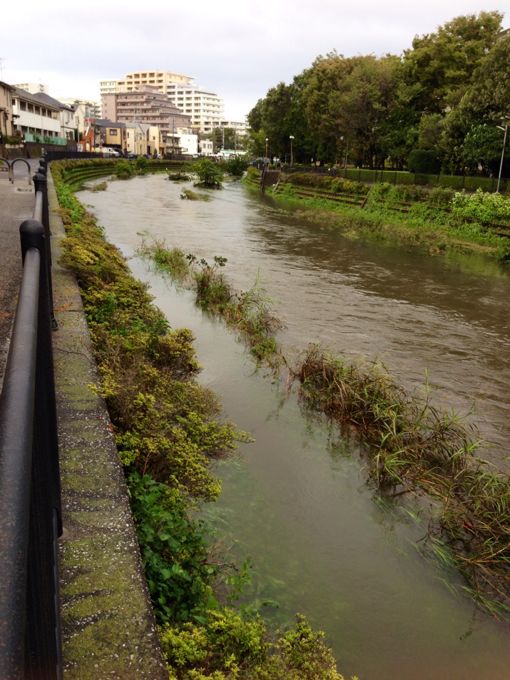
{"points": [[32, 88], [145, 105], [205, 108]]}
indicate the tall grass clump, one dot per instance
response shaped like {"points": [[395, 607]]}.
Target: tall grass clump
{"points": [[249, 312], [413, 447]]}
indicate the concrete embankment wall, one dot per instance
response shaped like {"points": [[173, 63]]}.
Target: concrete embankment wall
{"points": [[108, 624]]}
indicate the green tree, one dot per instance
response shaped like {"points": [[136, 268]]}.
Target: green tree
{"points": [[482, 148], [440, 66], [488, 98], [470, 137]]}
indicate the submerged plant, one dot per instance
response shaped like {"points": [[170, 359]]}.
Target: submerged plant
{"points": [[178, 177], [194, 195], [249, 311]]}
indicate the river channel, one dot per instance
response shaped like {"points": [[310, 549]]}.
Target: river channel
{"points": [[295, 500]]}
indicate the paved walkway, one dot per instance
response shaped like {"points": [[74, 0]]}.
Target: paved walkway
{"points": [[16, 205]]}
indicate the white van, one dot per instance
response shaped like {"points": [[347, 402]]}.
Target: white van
{"points": [[107, 151]]}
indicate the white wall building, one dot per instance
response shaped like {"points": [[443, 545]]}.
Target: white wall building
{"points": [[39, 115], [32, 118], [206, 147], [188, 143]]}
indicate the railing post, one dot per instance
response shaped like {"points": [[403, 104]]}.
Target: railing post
{"points": [[41, 185]]}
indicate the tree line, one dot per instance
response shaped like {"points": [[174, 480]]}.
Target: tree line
{"points": [[436, 107]]}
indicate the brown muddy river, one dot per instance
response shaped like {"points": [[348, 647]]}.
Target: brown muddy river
{"points": [[295, 500]]}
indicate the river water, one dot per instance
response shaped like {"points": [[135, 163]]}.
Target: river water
{"points": [[295, 500]]}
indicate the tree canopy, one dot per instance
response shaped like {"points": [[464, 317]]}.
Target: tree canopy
{"points": [[445, 95]]}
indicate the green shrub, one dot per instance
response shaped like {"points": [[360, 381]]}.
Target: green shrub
{"points": [[141, 165], [174, 552], [481, 207], [440, 197], [424, 161], [235, 166], [310, 179], [229, 646], [209, 173], [124, 169]]}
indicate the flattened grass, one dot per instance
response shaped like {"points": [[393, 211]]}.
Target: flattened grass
{"points": [[414, 447]]}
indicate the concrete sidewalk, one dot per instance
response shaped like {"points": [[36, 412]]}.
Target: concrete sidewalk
{"points": [[16, 205]]}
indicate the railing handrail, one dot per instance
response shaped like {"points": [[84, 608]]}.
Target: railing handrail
{"points": [[30, 518], [16, 433]]}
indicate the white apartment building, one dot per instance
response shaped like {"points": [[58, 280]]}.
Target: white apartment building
{"points": [[240, 127], [203, 107], [108, 87], [33, 88]]}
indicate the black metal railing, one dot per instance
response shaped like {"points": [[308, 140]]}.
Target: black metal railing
{"points": [[30, 515]]}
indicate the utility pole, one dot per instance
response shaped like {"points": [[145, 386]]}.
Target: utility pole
{"points": [[505, 129]]}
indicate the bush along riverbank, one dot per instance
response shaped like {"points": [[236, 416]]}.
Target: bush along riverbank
{"points": [[168, 434], [437, 220], [410, 446]]}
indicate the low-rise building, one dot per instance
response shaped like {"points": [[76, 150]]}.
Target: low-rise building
{"points": [[37, 121], [144, 140], [206, 147], [101, 132], [188, 144], [84, 110], [136, 138], [41, 118], [6, 126]]}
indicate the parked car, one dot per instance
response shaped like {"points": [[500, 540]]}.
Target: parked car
{"points": [[110, 152]]}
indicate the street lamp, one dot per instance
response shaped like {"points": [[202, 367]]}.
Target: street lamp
{"points": [[291, 137], [267, 140], [505, 130]]}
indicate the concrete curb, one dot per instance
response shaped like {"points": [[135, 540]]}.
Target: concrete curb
{"points": [[108, 623]]}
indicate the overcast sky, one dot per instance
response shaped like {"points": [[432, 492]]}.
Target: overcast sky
{"points": [[236, 49]]}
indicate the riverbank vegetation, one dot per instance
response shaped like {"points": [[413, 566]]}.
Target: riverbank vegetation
{"points": [[437, 220], [411, 447], [436, 107], [168, 433]]}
